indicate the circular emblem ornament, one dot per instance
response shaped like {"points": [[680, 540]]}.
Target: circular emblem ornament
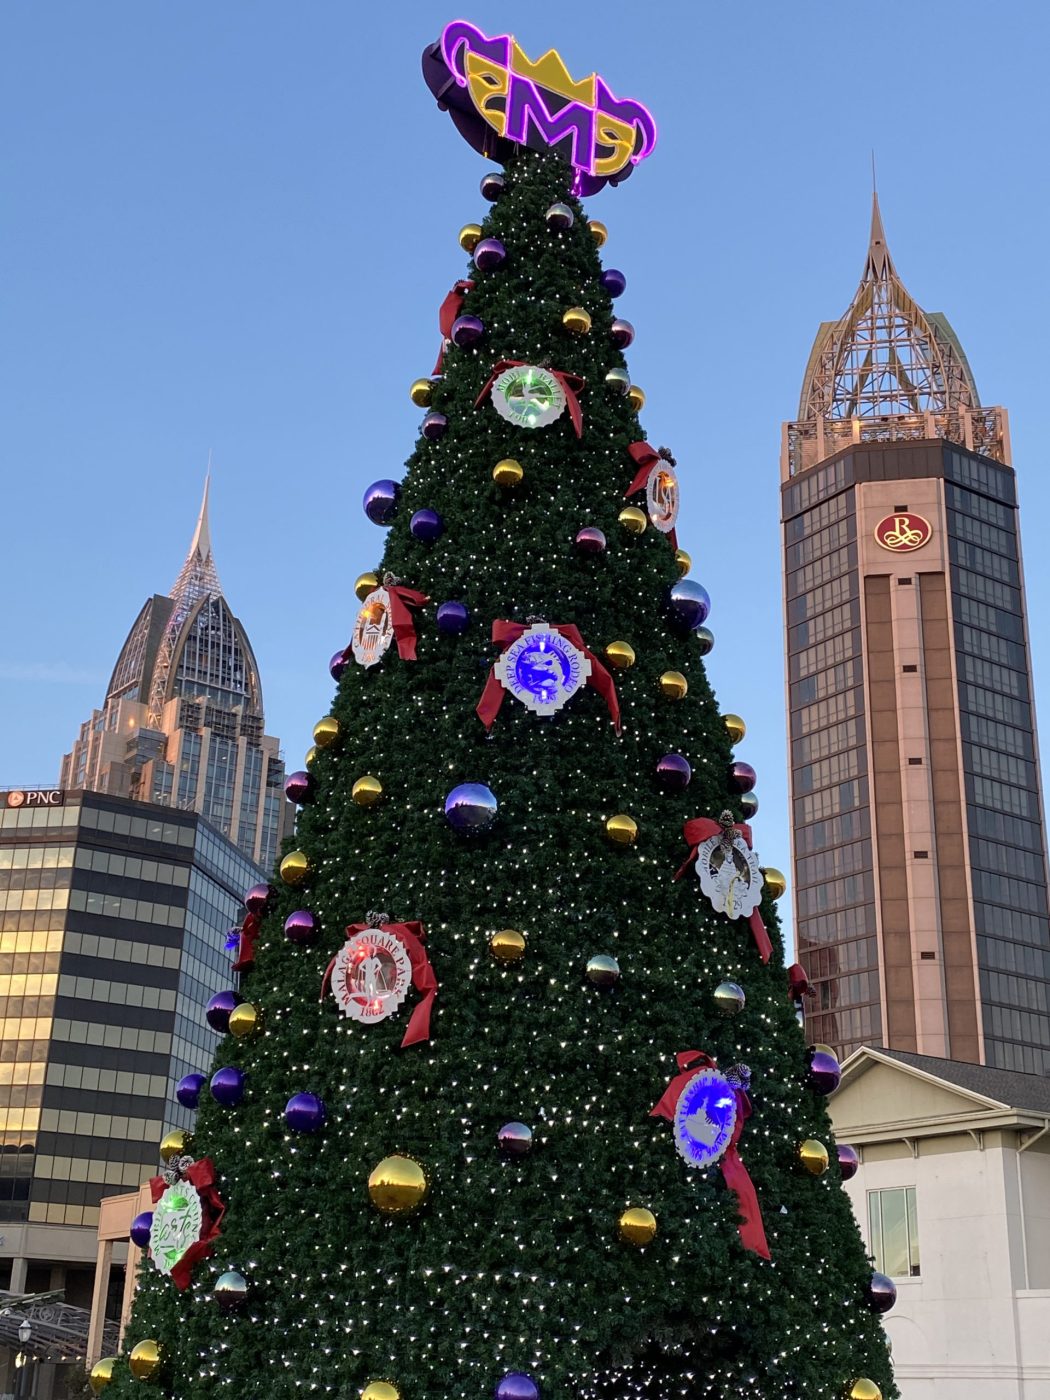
{"points": [[661, 492], [902, 533], [729, 874], [373, 630], [705, 1118], [542, 669], [178, 1220], [528, 396], [371, 976]]}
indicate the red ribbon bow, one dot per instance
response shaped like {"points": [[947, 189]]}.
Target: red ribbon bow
{"points": [[450, 309], [735, 1174], [202, 1176], [799, 985], [569, 383], [506, 633], [647, 459], [410, 936], [702, 829], [250, 930]]}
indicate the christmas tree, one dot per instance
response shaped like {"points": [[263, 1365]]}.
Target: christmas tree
{"points": [[514, 1100]]}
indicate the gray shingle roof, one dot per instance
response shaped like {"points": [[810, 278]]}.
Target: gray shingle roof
{"points": [[1024, 1091]]}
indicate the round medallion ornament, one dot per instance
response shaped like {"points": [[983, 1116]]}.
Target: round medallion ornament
{"points": [[294, 869], [661, 493], [542, 669], [300, 927], [705, 1118], [178, 1219], [559, 217], [636, 397], [371, 976], [618, 380], [373, 630], [528, 396], [492, 186], [599, 232], [729, 874], [705, 640]]}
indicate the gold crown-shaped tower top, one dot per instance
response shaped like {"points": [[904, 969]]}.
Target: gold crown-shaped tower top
{"points": [[551, 73]]}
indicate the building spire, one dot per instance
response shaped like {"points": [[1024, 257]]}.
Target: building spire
{"points": [[198, 575], [879, 264]]}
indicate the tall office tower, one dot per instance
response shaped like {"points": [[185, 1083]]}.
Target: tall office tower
{"points": [[182, 722], [919, 852]]}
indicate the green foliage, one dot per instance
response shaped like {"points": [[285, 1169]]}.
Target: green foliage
{"points": [[516, 1265]]}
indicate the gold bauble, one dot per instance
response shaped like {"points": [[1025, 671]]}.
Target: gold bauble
{"points": [[174, 1145], [508, 945], [622, 830], [367, 791], [326, 732], [101, 1374], [295, 867], [620, 655], [577, 320], [633, 519], [398, 1186], [598, 231], [684, 561], [863, 1389], [674, 685], [814, 1157], [636, 397], [245, 1020], [145, 1359], [469, 237], [421, 392], [508, 472], [735, 728], [311, 754], [365, 584], [774, 880], [637, 1226], [380, 1390]]}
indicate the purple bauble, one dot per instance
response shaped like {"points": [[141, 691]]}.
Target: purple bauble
{"points": [[427, 525], [849, 1161], [188, 1089], [492, 186], [516, 1385], [881, 1293], [471, 808], [299, 787], [338, 664], [614, 282], [705, 640], [590, 540], [488, 255], [741, 777], [690, 604], [749, 806], [515, 1139], [824, 1072], [621, 334], [452, 618], [227, 1086], [673, 772], [305, 1113], [380, 501], [257, 899], [217, 1012], [434, 425], [467, 331], [140, 1228], [300, 927]]}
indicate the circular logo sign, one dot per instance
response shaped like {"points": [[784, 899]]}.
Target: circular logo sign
{"points": [[662, 493], [729, 874], [528, 396], [373, 630], [16, 799], [903, 533], [178, 1218], [371, 976], [705, 1118], [542, 669]]}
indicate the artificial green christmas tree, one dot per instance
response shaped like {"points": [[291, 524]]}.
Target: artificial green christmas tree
{"points": [[480, 1124]]}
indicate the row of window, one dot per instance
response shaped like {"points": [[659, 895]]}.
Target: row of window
{"points": [[111, 1174], [829, 802], [818, 658], [105, 1125], [1003, 922], [990, 619], [95, 945], [981, 475], [11, 900], [843, 677], [975, 671], [170, 833], [1023, 865], [836, 769], [998, 827], [157, 872], [1027, 1059], [977, 532], [115, 906], [987, 590], [821, 571], [819, 600], [855, 990], [828, 741], [1002, 889], [22, 1071], [36, 857], [100, 989], [1018, 802], [836, 894], [107, 1081], [1026, 993], [1004, 738], [118, 1037], [840, 860], [991, 763], [52, 818], [984, 561], [34, 879], [992, 512], [846, 1029], [991, 647], [824, 541], [858, 955], [825, 713], [832, 832], [52, 1213], [1008, 956], [1010, 1023], [28, 984], [829, 928], [837, 508], [824, 625]]}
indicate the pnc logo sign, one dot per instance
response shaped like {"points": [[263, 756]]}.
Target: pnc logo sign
{"points": [[903, 532], [34, 797]]}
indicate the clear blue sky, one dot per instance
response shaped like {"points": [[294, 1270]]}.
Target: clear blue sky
{"points": [[228, 227]]}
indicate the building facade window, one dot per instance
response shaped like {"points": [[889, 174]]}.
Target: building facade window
{"points": [[893, 1228]]}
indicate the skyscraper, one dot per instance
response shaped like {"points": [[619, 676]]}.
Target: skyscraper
{"points": [[919, 850], [182, 722]]}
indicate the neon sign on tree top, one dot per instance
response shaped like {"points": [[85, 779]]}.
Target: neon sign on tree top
{"points": [[499, 98]]}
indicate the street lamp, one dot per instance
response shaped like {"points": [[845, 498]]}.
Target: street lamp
{"points": [[25, 1331]]}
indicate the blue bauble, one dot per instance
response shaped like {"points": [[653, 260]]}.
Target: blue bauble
{"points": [[452, 618], [140, 1228], [227, 1086], [690, 604], [188, 1089], [489, 254], [217, 1012], [471, 808], [305, 1113], [427, 525], [614, 282], [380, 501], [516, 1385]]}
